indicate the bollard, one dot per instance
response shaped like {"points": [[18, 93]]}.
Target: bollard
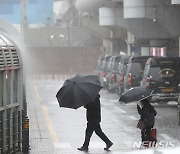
{"points": [[25, 143]]}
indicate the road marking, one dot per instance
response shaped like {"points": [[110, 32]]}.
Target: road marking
{"points": [[166, 136], [96, 144], [49, 125], [53, 102], [47, 117], [131, 104], [113, 101], [62, 145], [37, 93], [133, 117], [121, 110]]}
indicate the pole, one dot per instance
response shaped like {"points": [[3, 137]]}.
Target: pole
{"points": [[68, 27], [25, 143], [23, 4]]}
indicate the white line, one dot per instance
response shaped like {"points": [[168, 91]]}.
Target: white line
{"points": [[53, 102], [131, 104], [166, 136], [113, 101], [62, 145], [121, 110], [96, 144], [133, 117]]}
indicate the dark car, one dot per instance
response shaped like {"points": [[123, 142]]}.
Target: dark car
{"points": [[120, 73], [134, 72], [112, 71], [163, 76], [103, 71]]}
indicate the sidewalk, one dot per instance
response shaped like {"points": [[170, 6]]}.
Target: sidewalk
{"points": [[42, 140], [39, 138]]}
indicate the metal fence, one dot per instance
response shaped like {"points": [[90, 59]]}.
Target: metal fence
{"points": [[10, 130]]}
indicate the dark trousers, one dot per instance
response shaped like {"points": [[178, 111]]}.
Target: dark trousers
{"points": [[89, 131]]}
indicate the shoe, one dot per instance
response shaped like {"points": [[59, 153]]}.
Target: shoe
{"points": [[83, 149], [108, 146]]}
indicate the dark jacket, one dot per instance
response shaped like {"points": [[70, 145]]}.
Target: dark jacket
{"points": [[147, 113], [93, 112]]}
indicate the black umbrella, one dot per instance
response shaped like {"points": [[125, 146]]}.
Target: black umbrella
{"points": [[78, 91], [135, 94]]}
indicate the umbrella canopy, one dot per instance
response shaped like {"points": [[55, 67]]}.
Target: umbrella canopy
{"points": [[78, 91], [135, 94]]}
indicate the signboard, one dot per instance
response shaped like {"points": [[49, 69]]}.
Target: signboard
{"points": [[175, 1]]}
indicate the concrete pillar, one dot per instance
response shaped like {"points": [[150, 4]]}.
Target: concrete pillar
{"points": [[107, 43], [129, 42], [144, 51]]}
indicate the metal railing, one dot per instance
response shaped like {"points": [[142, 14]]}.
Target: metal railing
{"points": [[10, 130]]}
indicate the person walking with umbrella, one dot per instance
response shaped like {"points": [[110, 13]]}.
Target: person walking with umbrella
{"points": [[93, 114], [147, 118]]}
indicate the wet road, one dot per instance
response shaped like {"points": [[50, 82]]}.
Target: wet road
{"points": [[67, 126]]}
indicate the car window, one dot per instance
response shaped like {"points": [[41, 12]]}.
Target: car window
{"points": [[154, 72], [124, 68], [116, 64], [110, 64], [100, 60], [105, 62], [136, 69]]}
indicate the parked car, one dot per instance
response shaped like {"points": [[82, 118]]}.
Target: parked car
{"points": [[99, 65], [120, 74], [134, 72], [111, 74], [109, 68], [163, 76], [103, 71]]}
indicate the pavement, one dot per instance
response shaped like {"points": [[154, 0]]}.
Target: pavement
{"points": [[52, 135], [40, 139], [43, 139]]}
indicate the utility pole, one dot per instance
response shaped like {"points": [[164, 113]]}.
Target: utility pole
{"points": [[24, 11]]}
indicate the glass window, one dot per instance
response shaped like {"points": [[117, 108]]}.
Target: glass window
{"points": [[15, 86], [1, 88]]}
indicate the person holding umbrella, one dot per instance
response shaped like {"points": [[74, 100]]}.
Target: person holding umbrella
{"points": [[147, 118], [93, 114]]}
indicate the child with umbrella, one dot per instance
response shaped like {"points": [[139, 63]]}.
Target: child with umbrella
{"points": [[146, 123]]}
